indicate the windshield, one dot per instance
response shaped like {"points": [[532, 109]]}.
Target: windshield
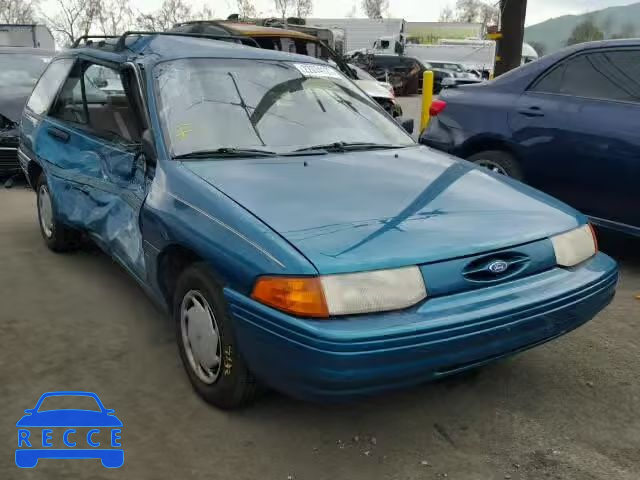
{"points": [[208, 104], [69, 402], [362, 74], [448, 66], [21, 70], [294, 45]]}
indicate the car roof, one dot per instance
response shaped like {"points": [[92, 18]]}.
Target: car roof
{"points": [[27, 50], [250, 29], [155, 48], [518, 78]]}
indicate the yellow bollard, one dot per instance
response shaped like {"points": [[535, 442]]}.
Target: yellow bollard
{"points": [[427, 98]]}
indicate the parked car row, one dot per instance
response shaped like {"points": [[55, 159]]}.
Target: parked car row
{"points": [[406, 73], [296, 233]]}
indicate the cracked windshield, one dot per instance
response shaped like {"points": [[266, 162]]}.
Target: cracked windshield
{"points": [[207, 104]]}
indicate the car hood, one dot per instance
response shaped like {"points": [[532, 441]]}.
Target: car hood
{"points": [[12, 101], [374, 89], [69, 418], [386, 208]]}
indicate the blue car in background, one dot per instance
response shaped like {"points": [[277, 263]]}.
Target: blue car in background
{"points": [[566, 124], [297, 234]]}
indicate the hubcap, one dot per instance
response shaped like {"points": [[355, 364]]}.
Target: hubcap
{"points": [[493, 166], [200, 337], [45, 211]]}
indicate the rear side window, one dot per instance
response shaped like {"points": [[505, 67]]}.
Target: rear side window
{"points": [[48, 85], [607, 75]]}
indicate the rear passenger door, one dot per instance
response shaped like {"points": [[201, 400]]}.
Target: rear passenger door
{"points": [[578, 126], [91, 142]]}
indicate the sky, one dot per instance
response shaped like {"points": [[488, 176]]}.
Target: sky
{"points": [[410, 10]]}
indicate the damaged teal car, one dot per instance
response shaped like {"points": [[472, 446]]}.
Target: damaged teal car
{"points": [[297, 234]]}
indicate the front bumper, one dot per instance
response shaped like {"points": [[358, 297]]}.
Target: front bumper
{"points": [[339, 358]]}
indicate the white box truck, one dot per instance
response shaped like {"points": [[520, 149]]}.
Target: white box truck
{"points": [[361, 33], [35, 36]]}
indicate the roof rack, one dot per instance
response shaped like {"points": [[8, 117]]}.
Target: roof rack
{"points": [[88, 39], [120, 45]]}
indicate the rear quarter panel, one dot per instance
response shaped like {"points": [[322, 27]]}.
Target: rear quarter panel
{"points": [[477, 119]]}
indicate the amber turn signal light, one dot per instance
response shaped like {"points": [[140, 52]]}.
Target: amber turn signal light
{"points": [[300, 296]]}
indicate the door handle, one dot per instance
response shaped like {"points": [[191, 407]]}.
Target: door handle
{"points": [[58, 134], [531, 112]]}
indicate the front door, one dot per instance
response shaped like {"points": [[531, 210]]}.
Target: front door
{"points": [[90, 140], [578, 127]]}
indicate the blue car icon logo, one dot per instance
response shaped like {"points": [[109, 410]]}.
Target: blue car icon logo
{"points": [[69, 433]]}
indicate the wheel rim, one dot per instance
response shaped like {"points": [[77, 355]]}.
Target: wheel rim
{"points": [[493, 166], [45, 211], [200, 337]]}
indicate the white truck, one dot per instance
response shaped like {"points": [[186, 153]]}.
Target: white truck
{"points": [[473, 54], [361, 33], [477, 55], [34, 36]]}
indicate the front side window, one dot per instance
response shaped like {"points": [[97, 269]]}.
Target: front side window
{"points": [[207, 104], [48, 85], [94, 96], [606, 75]]}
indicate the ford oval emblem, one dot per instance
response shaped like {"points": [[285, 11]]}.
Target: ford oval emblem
{"points": [[498, 266]]}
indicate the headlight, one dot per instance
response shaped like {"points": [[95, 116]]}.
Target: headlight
{"points": [[575, 246], [343, 294]]}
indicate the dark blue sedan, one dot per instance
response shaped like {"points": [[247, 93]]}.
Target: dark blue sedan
{"points": [[567, 124]]}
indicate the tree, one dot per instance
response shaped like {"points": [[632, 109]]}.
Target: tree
{"points": [[73, 19], [539, 47], [375, 8], [170, 13], [18, 11], [114, 17], [283, 6], [467, 11], [585, 31], [474, 11], [628, 31], [246, 9], [303, 8], [446, 14]]}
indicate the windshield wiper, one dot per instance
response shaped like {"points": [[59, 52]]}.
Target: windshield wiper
{"points": [[349, 147], [227, 152]]}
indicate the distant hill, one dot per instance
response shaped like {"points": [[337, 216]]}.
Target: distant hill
{"points": [[553, 33]]}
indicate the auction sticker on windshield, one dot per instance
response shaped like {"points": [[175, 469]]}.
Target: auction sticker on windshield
{"points": [[80, 427], [316, 70]]}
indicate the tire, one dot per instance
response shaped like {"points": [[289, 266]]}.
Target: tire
{"points": [[499, 162], [231, 384], [58, 237]]}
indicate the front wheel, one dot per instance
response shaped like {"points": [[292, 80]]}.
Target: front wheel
{"points": [[498, 162], [56, 235], [206, 340]]}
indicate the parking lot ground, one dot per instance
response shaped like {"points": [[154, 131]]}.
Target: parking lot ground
{"points": [[567, 410]]}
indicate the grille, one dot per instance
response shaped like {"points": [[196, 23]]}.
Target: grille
{"points": [[9, 160], [479, 270]]}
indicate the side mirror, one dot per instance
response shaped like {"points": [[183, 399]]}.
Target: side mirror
{"points": [[408, 125], [101, 83], [147, 147]]}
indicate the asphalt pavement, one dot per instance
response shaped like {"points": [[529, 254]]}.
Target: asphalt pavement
{"points": [[567, 410]]}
